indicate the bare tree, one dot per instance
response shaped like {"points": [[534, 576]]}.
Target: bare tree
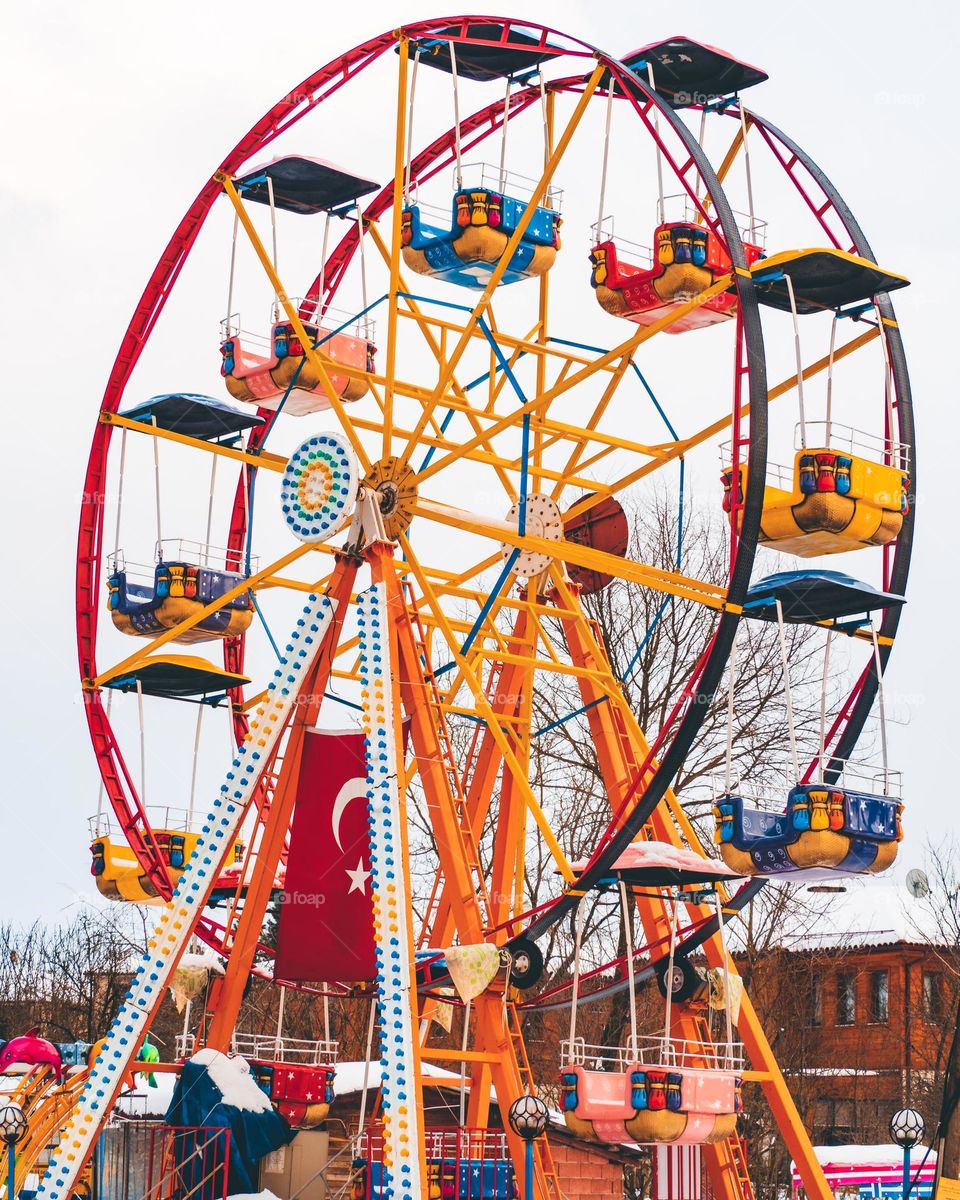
{"points": [[69, 978]]}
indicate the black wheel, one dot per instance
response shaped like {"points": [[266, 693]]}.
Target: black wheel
{"points": [[524, 963], [685, 980]]}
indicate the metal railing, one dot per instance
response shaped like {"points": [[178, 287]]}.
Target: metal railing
{"points": [[195, 553], [489, 177], [136, 572], [874, 446], [777, 474], [679, 207], [453, 1160], [853, 774], [437, 216], [633, 252], [160, 816], [231, 327], [313, 312], [202, 554], [660, 1051], [335, 320], [151, 1161], [861, 777], [269, 1048]]}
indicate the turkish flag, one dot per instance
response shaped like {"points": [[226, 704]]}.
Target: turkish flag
{"points": [[326, 921]]}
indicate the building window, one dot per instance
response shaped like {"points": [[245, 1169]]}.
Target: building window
{"points": [[816, 1000], [846, 999], [879, 996], [932, 1001]]}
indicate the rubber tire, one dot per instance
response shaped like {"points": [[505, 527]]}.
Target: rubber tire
{"points": [[526, 965], [687, 980]]}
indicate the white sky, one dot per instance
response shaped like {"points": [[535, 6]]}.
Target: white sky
{"points": [[116, 114]]}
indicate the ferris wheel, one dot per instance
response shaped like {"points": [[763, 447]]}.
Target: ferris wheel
{"points": [[453, 355]]}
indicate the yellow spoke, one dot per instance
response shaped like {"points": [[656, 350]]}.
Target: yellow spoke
{"points": [[485, 711], [625, 349], [271, 462], [601, 407], [669, 582], [435, 349], [674, 450], [505, 340], [499, 270]]}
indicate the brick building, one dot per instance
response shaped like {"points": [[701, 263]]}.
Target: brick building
{"points": [[869, 1017]]}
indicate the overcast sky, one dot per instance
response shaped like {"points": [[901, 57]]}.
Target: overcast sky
{"points": [[116, 113]]}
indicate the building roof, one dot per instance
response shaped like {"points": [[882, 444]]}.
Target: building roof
{"points": [[861, 916], [839, 1158], [349, 1077]]}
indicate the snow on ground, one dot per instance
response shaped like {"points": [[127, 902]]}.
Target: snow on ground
{"points": [[232, 1076], [264, 1195]]}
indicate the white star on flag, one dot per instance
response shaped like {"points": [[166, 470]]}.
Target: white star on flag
{"points": [[358, 879]]}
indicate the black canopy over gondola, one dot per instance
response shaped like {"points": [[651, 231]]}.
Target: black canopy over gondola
{"points": [[493, 51], [193, 415], [686, 72], [176, 677], [821, 279], [809, 597], [303, 185]]}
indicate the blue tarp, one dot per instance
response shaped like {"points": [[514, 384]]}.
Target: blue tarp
{"points": [[197, 1101]]}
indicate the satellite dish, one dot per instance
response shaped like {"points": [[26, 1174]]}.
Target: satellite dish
{"points": [[918, 885]]}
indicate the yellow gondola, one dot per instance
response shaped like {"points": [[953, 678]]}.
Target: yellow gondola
{"points": [[119, 876], [833, 502]]}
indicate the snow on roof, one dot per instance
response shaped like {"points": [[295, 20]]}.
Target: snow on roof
{"points": [[863, 914], [349, 1077], [838, 1157], [835, 1072], [233, 1077]]}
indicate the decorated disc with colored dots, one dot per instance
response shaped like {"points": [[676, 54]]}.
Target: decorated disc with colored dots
{"points": [[319, 488]]}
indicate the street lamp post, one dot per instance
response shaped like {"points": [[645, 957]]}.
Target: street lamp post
{"points": [[528, 1119], [906, 1129], [13, 1125]]}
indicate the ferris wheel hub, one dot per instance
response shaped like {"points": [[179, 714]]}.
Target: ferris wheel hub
{"points": [[542, 520], [395, 485]]}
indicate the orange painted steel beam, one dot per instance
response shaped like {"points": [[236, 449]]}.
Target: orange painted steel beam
{"points": [[226, 992], [719, 1158], [509, 846], [620, 759], [491, 1039]]}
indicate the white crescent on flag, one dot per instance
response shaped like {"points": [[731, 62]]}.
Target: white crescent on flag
{"points": [[353, 789]]}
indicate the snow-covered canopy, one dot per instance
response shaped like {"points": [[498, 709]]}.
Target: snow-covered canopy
{"points": [[232, 1075]]}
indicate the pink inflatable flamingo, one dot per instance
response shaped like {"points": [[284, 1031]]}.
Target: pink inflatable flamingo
{"points": [[31, 1050]]}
